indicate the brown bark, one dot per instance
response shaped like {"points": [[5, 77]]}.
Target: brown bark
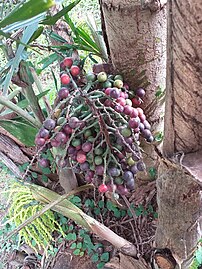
{"points": [[136, 32], [180, 179], [183, 122]]}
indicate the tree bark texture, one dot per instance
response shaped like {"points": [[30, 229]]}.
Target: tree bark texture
{"points": [[136, 33], [179, 208], [137, 41], [183, 122], [179, 184]]}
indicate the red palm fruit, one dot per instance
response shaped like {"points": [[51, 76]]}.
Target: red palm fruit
{"points": [[68, 62], [103, 188], [75, 70], [65, 79]]}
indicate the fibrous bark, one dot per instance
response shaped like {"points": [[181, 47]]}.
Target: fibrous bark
{"points": [[136, 33], [183, 122], [180, 178]]}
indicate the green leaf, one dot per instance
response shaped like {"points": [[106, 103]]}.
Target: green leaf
{"points": [[79, 245], [152, 172], [73, 246], [105, 257], [89, 203], [36, 34], [47, 61], [26, 11], [57, 37], [117, 213], [16, 60], [46, 170], [97, 211], [158, 137], [95, 257], [71, 227], [198, 254], [63, 220], [75, 199], [100, 265], [76, 252], [51, 20], [34, 174], [101, 204], [23, 132], [81, 254]]}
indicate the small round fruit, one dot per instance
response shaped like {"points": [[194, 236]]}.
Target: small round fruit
{"points": [[128, 110], [126, 132], [150, 139], [115, 93], [55, 143], [91, 77], [98, 160], [114, 172], [84, 166], [65, 79], [134, 169], [130, 184], [108, 90], [87, 146], [44, 162], [146, 133], [99, 170], [136, 102], [118, 108], [129, 102], [118, 180], [118, 77], [39, 141], [62, 163], [49, 124], [87, 133], [140, 166], [81, 157], [127, 175], [102, 77], [130, 161], [67, 129], [102, 188], [75, 70], [134, 113], [147, 125], [68, 61], [76, 142], [121, 101], [107, 84], [61, 137], [74, 122], [63, 93], [133, 123], [122, 190], [140, 92], [98, 151], [44, 133], [118, 83]]}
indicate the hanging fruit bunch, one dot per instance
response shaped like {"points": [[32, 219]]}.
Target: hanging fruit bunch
{"points": [[95, 128]]}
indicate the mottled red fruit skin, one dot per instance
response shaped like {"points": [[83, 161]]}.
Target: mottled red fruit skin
{"points": [[63, 93], [75, 70], [68, 62], [81, 157], [65, 79], [121, 101], [102, 188], [136, 102], [39, 141]]}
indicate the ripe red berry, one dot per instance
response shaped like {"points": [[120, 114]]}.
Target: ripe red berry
{"points": [[81, 157], [65, 79], [75, 70], [103, 188], [136, 102], [68, 62]]}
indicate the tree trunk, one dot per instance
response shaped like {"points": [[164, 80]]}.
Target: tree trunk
{"points": [[180, 179], [136, 35]]}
